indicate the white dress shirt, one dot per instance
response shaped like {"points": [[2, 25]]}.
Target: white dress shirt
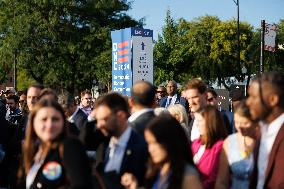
{"points": [[135, 115], [268, 135], [173, 100], [116, 151], [195, 134]]}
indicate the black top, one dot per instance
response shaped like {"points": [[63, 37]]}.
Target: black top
{"points": [[68, 170]]}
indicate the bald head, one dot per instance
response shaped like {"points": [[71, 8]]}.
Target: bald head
{"points": [[143, 93]]}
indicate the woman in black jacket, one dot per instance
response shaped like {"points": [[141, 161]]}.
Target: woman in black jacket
{"points": [[51, 159]]}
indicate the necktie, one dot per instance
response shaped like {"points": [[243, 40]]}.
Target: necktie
{"points": [[169, 101]]}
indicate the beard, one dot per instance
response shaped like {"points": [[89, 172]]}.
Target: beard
{"points": [[112, 126], [262, 116]]}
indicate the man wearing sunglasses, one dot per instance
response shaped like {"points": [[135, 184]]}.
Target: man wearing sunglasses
{"points": [[212, 99], [160, 93]]}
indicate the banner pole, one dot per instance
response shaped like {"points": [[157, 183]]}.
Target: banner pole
{"points": [[262, 46]]}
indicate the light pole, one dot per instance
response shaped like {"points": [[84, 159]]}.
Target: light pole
{"points": [[238, 34], [15, 71]]}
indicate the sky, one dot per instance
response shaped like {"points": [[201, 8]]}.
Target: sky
{"points": [[251, 11]]}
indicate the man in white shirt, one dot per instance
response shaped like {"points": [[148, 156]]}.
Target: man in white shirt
{"points": [[266, 103], [196, 95], [141, 102], [75, 116], [86, 102], [173, 97], [127, 150]]}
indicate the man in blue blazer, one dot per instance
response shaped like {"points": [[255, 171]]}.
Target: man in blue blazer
{"points": [[126, 150], [173, 97], [141, 102]]}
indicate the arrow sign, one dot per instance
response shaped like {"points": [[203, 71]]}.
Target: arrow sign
{"points": [[143, 46]]}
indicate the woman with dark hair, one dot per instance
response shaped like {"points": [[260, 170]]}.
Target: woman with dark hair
{"points": [[207, 148], [51, 159], [170, 164], [237, 157]]}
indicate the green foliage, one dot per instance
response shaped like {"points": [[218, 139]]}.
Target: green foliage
{"points": [[171, 55], [224, 48], [62, 44], [24, 80], [206, 47]]}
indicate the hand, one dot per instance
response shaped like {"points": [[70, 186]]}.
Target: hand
{"points": [[129, 181]]}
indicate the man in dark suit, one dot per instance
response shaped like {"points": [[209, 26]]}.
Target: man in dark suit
{"points": [[141, 103], [173, 97], [266, 104], [228, 117], [4, 139], [126, 150], [76, 117]]}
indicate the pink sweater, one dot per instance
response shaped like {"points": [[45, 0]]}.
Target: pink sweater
{"points": [[209, 162]]}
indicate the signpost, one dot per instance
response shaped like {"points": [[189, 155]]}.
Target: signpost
{"points": [[132, 58], [268, 35]]}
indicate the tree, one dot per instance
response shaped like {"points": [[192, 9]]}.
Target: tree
{"points": [[224, 49], [200, 37], [205, 47], [62, 44], [171, 57]]}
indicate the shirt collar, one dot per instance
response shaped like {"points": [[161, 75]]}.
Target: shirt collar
{"points": [[135, 115], [123, 139], [173, 99], [175, 96], [274, 126]]}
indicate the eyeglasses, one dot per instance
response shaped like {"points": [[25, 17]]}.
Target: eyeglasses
{"points": [[161, 91]]}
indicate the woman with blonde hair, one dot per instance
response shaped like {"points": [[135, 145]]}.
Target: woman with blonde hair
{"points": [[237, 157], [179, 113]]}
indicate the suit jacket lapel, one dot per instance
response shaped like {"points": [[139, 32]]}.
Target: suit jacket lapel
{"points": [[278, 139], [127, 153], [254, 175], [177, 100]]}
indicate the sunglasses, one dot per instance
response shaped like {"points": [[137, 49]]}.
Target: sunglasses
{"points": [[161, 91], [210, 99]]}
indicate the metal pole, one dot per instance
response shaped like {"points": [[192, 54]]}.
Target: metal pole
{"points": [[238, 35], [15, 71], [262, 47]]}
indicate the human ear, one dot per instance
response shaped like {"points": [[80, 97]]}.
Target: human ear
{"points": [[273, 100]]}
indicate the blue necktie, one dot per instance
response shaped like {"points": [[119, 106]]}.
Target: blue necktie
{"points": [[169, 101]]}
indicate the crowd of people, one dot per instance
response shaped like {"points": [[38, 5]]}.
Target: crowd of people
{"points": [[156, 138]]}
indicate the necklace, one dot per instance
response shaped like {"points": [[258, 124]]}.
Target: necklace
{"points": [[246, 152]]}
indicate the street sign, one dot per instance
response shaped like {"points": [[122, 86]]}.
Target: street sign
{"points": [[132, 58]]}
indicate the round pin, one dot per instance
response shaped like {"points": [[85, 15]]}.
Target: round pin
{"points": [[39, 185], [52, 170]]}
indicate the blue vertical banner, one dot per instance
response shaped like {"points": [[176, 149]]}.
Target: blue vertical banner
{"points": [[121, 61], [132, 58]]}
